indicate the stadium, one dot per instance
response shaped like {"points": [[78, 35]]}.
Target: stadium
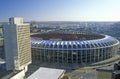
{"points": [[73, 47]]}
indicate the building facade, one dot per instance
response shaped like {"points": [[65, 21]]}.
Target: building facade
{"points": [[1, 44], [17, 44], [80, 48]]}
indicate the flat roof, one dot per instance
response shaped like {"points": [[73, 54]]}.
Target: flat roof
{"points": [[46, 73]]}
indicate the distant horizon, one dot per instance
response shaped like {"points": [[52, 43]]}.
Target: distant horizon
{"points": [[65, 21]]}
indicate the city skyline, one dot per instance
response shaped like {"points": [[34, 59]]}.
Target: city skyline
{"points": [[61, 10]]}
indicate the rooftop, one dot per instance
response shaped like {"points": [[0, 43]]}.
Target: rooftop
{"points": [[46, 73]]}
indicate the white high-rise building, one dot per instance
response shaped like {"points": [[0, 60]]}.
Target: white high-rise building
{"points": [[17, 44]]}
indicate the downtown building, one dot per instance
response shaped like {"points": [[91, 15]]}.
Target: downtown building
{"points": [[17, 46]]}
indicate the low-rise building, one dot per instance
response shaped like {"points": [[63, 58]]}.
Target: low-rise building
{"points": [[47, 73]]}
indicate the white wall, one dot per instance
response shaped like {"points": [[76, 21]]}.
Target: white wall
{"points": [[19, 75]]}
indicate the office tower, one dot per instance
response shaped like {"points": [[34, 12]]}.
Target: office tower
{"points": [[17, 44], [1, 45]]}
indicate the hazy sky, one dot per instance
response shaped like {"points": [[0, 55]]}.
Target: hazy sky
{"points": [[61, 10]]}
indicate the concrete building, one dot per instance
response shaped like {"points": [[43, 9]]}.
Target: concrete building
{"points": [[47, 73], [1, 44], [74, 48], [16, 20], [17, 44]]}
